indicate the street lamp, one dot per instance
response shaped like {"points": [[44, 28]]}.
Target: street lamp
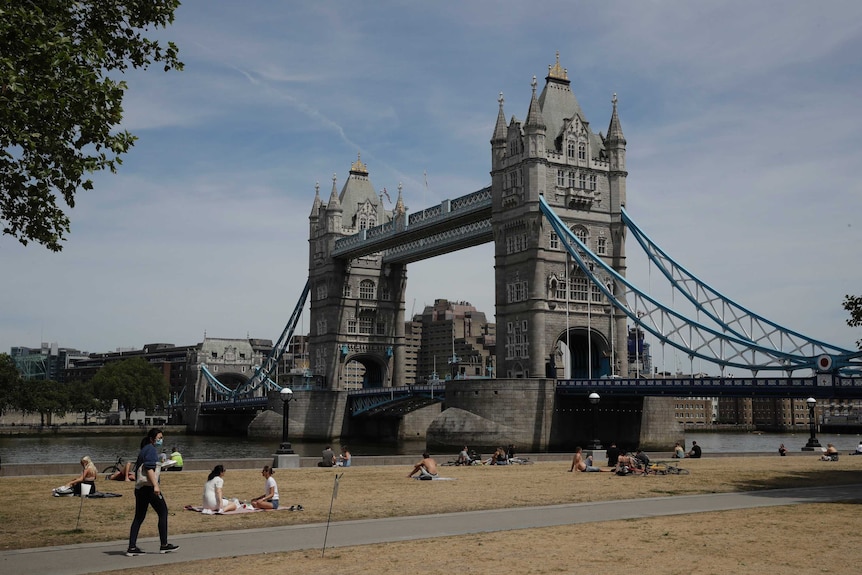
{"points": [[594, 399], [286, 395], [812, 441]]}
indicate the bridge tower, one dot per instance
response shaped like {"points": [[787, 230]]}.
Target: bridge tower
{"points": [[357, 306], [549, 317]]}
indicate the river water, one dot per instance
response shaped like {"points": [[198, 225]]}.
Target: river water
{"points": [[102, 449], [69, 449]]}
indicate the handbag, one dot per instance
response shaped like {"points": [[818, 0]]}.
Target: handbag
{"points": [[142, 479]]}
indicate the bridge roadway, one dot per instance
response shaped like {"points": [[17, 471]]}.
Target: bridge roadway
{"points": [[109, 556], [372, 401]]}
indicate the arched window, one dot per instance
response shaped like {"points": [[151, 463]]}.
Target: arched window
{"points": [[582, 151], [570, 149], [366, 289], [580, 233]]}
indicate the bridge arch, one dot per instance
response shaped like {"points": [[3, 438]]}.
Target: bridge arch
{"points": [[230, 379], [575, 350], [365, 369]]}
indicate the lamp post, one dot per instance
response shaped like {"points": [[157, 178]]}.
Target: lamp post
{"points": [[812, 441], [286, 395], [594, 399]]}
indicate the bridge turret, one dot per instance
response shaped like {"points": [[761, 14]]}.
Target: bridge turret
{"points": [[314, 216], [615, 143], [334, 211], [534, 128], [498, 140]]}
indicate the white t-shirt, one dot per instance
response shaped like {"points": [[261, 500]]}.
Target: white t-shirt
{"points": [[211, 500], [270, 482]]}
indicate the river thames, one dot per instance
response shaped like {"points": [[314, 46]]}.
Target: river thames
{"points": [[69, 449]]}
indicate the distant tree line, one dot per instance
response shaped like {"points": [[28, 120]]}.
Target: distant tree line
{"points": [[133, 382]]}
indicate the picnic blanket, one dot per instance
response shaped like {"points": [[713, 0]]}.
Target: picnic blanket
{"points": [[244, 508]]}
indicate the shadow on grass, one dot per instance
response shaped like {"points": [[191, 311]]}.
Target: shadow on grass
{"points": [[815, 485]]}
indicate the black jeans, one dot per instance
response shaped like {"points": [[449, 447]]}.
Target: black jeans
{"points": [[144, 497]]}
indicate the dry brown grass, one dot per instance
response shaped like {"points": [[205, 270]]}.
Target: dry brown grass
{"points": [[815, 538]]}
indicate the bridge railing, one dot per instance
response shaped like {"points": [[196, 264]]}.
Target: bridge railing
{"points": [[822, 386]]}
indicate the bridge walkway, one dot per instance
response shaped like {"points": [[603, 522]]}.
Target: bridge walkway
{"points": [[109, 556]]}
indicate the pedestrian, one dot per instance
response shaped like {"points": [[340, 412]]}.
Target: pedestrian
{"points": [[148, 493]]}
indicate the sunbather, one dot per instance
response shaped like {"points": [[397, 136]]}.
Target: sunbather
{"points": [[427, 468]]}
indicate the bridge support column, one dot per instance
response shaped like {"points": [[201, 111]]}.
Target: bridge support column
{"points": [[485, 413], [659, 426]]}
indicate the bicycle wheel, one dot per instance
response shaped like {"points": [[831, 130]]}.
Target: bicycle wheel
{"points": [[110, 470]]}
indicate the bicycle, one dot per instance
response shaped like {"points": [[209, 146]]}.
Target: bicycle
{"points": [[675, 469], [118, 466], [665, 468], [519, 461]]}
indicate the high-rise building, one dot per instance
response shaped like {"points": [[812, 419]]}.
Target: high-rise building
{"points": [[456, 342]]}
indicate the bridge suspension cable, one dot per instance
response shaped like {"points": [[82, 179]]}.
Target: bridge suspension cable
{"points": [[263, 371], [725, 312], [671, 327]]}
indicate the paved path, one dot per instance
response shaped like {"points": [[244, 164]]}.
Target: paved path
{"points": [[98, 557]]}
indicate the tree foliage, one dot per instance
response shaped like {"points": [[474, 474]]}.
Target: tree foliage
{"points": [[10, 379], [853, 304], [133, 382], [45, 397], [82, 398], [58, 104]]}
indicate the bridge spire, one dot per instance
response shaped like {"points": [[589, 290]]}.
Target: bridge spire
{"points": [[615, 130], [399, 203], [534, 115], [315, 206], [334, 202], [500, 127]]}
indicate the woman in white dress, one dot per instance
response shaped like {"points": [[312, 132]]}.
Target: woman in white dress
{"points": [[213, 492]]}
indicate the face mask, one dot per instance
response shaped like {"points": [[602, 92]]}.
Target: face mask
{"points": [[159, 442]]}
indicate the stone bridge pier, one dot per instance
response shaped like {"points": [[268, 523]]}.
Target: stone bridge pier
{"points": [[531, 415]]}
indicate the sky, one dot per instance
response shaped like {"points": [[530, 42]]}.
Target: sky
{"points": [[742, 121]]}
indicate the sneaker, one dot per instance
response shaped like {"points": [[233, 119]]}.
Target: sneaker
{"points": [[134, 552], [167, 548]]}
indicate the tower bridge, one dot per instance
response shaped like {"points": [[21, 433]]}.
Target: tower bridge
{"points": [[556, 214]]}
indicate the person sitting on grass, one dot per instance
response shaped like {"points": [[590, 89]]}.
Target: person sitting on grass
{"points": [[177, 458], [88, 477], [427, 468], [830, 453], [268, 500], [214, 499], [695, 451]]}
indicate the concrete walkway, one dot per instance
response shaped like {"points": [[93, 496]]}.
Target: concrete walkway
{"points": [[98, 557]]}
